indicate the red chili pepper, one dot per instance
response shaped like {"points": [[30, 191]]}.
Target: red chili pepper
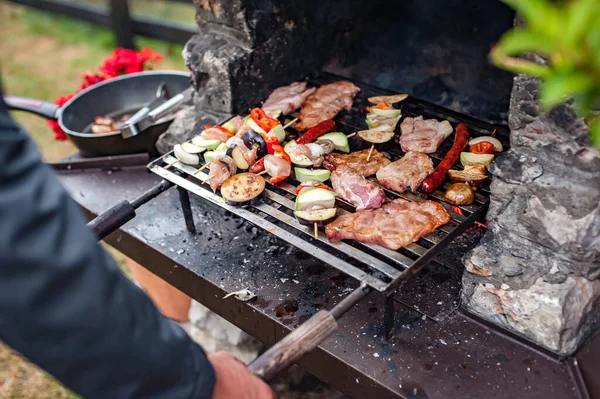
{"points": [[258, 166], [483, 147], [277, 179], [280, 153], [220, 128], [316, 131], [301, 187], [266, 123]]}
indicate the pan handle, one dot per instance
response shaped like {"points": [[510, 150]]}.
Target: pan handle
{"points": [[38, 107], [294, 346]]}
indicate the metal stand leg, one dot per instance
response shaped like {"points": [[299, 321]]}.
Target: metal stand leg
{"points": [[388, 317], [184, 198]]}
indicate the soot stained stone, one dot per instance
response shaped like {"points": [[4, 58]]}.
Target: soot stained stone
{"points": [[537, 269]]}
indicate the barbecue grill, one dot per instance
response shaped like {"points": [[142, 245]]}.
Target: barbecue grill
{"points": [[375, 267], [379, 268]]}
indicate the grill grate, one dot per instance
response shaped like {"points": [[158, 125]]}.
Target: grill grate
{"points": [[381, 268]]}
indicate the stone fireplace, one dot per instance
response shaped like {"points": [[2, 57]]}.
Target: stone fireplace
{"points": [[536, 270]]}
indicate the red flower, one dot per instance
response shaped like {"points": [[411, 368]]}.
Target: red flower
{"points": [[59, 134], [90, 79]]}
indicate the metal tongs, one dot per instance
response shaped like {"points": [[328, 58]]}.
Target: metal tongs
{"points": [[161, 106]]}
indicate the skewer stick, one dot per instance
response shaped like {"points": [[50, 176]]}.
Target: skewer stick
{"points": [[202, 168], [493, 133], [351, 135], [370, 152], [290, 123], [262, 173], [316, 231], [172, 163]]}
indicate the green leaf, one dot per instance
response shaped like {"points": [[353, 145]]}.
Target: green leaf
{"points": [[580, 14], [541, 15], [517, 65], [585, 101], [595, 133], [557, 87], [520, 40]]}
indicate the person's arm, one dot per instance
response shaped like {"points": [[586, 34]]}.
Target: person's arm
{"points": [[65, 305]]}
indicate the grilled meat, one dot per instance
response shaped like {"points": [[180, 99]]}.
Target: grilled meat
{"points": [[277, 166], [213, 133], [354, 188], [409, 171], [358, 161], [393, 226], [423, 135], [287, 99], [221, 168], [326, 102]]}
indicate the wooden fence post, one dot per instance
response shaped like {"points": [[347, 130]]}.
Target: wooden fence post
{"points": [[121, 23]]}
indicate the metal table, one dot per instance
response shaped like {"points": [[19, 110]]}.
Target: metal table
{"points": [[435, 351]]}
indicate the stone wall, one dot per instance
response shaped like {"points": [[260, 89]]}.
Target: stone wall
{"points": [[537, 269]]}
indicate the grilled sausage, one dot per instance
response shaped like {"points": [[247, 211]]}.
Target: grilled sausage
{"points": [[434, 180], [316, 131]]}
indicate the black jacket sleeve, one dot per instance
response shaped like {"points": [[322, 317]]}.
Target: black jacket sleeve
{"points": [[64, 303]]}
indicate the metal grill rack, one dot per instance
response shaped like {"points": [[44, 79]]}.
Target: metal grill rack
{"points": [[378, 267]]}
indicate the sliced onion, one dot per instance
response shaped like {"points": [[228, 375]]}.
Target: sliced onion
{"points": [[192, 149], [184, 156], [315, 149], [497, 144]]}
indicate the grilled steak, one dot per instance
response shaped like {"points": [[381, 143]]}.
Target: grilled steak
{"points": [[423, 135], [326, 102], [357, 190], [287, 99], [393, 226], [410, 171], [358, 161]]}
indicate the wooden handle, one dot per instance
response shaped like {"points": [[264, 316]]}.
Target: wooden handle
{"points": [[112, 219], [294, 346]]}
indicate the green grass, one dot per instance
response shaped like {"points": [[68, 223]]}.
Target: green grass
{"points": [[72, 32], [43, 56]]}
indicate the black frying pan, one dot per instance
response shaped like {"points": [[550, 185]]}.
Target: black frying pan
{"points": [[115, 97]]}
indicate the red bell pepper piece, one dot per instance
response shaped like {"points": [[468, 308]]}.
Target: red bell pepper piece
{"points": [[277, 179], [483, 147], [220, 128], [301, 187], [316, 131], [280, 153], [266, 123], [380, 105], [271, 141]]}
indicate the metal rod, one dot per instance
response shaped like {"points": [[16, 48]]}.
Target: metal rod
{"points": [[152, 193], [352, 299], [186, 207]]}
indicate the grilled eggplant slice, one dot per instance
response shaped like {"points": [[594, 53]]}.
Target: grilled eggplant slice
{"points": [[254, 140], [319, 216], [242, 189]]}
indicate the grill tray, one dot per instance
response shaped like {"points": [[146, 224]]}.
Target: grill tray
{"points": [[380, 268]]}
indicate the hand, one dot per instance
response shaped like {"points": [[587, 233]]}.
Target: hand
{"points": [[234, 380]]}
